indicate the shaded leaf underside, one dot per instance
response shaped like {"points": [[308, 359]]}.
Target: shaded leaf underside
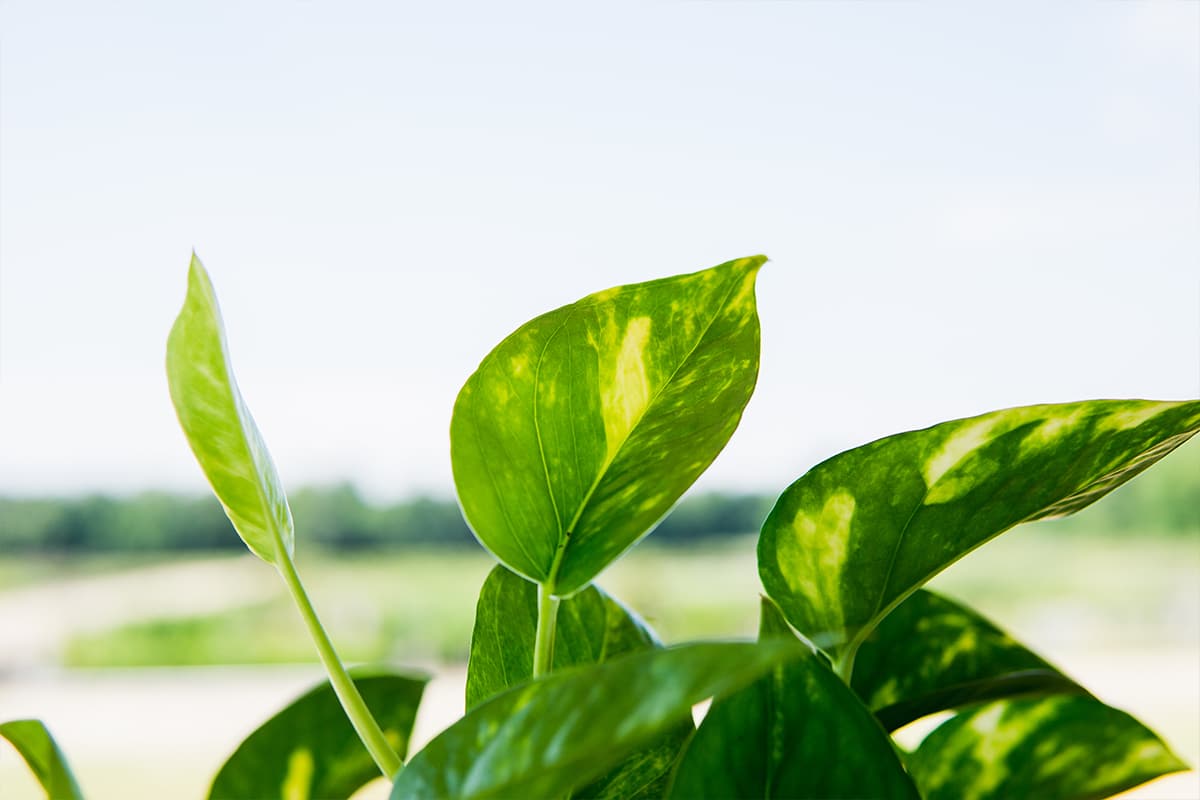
{"points": [[931, 654]]}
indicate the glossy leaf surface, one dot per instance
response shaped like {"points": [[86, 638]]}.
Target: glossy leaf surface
{"points": [[309, 749], [1051, 748], [581, 429], [592, 628], [33, 741], [218, 425], [931, 654], [798, 732], [549, 737], [858, 533]]}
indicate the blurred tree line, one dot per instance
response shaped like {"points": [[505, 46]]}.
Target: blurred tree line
{"points": [[1164, 501], [335, 517]]}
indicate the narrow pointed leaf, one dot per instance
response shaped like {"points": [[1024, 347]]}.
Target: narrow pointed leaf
{"points": [[33, 741], [932, 654], [218, 425], [592, 628], [1051, 748], [798, 732], [549, 737], [582, 428], [858, 533], [309, 749]]}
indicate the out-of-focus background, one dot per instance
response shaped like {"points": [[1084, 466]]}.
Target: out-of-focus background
{"points": [[966, 208]]}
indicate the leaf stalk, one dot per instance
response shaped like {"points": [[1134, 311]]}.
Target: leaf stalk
{"points": [[347, 693], [547, 621]]}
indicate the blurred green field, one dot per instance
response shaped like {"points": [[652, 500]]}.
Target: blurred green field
{"points": [[1119, 611], [1048, 584]]}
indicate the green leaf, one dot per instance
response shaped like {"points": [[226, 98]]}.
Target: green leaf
{"points": [[218, 425], [309, 749], [48, 764], [858, 533], [549, 737], [645, 775], [580, 430], [932, 654], [592, 628], [798, 732], [1051, 748]]}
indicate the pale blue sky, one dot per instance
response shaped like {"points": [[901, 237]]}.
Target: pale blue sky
{"points": [[967, 207]]}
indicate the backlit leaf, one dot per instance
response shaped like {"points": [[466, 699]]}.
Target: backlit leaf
{"points": [[1051, 748], [592, 628], [580, 430], [932, 654], [858, 533], [218, 425], [798, 732], [35, 744], [551, 736], [310, 750]]}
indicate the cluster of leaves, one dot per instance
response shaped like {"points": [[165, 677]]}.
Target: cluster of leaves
{"points": [[572, 439]]}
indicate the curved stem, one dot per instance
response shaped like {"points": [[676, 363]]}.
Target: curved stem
{"points": [[543, 643], [347, 693]]}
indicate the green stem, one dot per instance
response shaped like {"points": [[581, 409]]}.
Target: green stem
{"points": [[543, 643], [360, 717]]}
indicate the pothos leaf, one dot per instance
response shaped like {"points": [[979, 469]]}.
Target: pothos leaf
{"points": [[556, 734], [797, 732], [35, 744], [218, 425], [310, 749], [1051, 748], [932, 654], [592, 628], [848, 541], [581, 429]]}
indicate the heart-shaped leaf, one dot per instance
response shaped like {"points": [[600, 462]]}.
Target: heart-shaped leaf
{"points": [[48, 764], [798, 732], [582, 428], [1051, 748], [592, 628], [310, 749], [858, 533], [218, 425], [932, 654], [551, 736]]}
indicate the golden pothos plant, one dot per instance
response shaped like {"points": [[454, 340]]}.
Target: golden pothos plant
{"points": [[571, 440]]}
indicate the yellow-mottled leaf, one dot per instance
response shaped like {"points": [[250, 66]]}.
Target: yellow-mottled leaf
{"points": [[931, 654], [582, 428], [857, 534], [1051, 748], [310, 750]]}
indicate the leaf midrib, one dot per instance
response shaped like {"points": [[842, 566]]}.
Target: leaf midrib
{"points": [[609, 459]]}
